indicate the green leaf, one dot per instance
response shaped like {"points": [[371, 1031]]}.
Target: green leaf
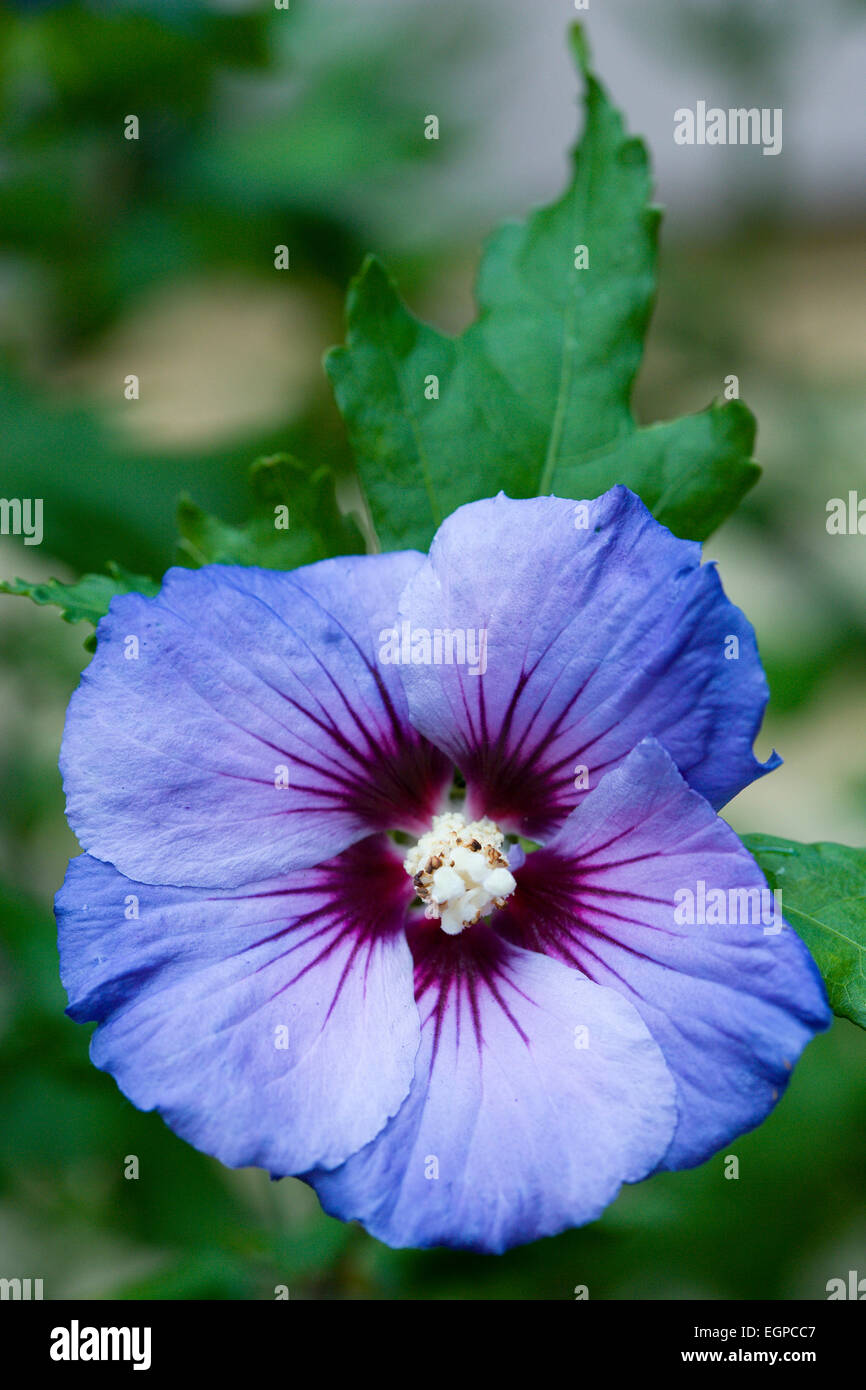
{"points": [[691, 473], [297, 521], [535, 396], [824, 898], [88, 598]]}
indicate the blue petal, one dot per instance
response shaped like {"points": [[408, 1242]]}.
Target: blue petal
{"points": [[731, 1005], [602, 628], [202, 703], [274, 1025], [536, 1095]]}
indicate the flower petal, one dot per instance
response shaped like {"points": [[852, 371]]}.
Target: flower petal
{"points": [[201, 703], [598, 635], [274, 1025], [731, 1005], [536, 1095]]}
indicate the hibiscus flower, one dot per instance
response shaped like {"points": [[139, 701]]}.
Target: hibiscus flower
{"points": [[383, 859]]}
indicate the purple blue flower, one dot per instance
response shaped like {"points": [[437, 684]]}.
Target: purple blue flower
{"points": [[307, 955]]}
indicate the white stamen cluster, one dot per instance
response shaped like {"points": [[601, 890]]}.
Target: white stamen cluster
{"points": [[459, 871]]}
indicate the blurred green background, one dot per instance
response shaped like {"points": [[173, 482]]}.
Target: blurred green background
{"points": [[261, 127]]}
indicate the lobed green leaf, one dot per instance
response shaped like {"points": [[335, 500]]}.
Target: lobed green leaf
{"points": [[535, 396]]}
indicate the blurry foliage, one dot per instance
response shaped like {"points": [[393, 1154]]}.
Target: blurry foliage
{"points": [[725, 305], [746, 39], [104, 497], [314, 528], [95, 211], [255, 129]]}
